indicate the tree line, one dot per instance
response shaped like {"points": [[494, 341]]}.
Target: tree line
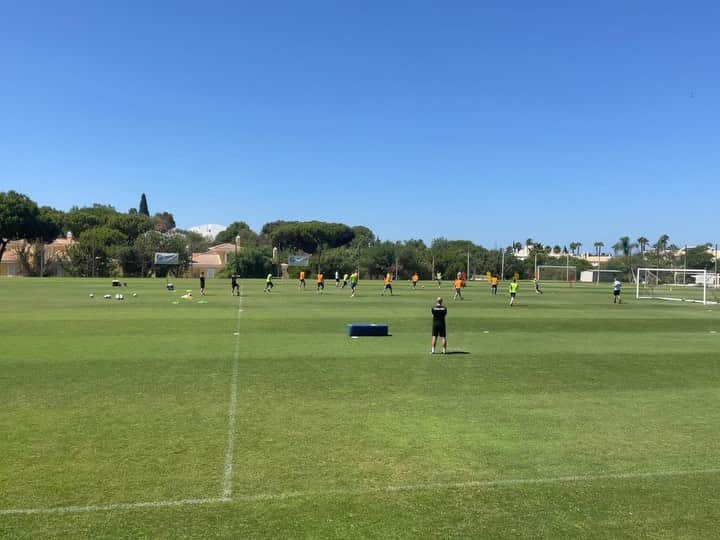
{"points": [[113, 243]]}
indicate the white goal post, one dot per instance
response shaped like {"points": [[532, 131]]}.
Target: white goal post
{"points": [[551, 272], [674, 284]]}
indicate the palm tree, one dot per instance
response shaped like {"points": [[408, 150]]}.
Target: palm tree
{"points": [[529, 242], [574, 246], [598, 247], [661, 245], [556, 249], [642, 242], [625, 246], [517, 246]]}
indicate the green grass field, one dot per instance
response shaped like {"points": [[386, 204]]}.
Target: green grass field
{"points": [[564, 416]]}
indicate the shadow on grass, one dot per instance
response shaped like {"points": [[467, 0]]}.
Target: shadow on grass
{"points": [[457, 352]]}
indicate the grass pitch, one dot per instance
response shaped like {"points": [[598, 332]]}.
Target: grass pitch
{"points": [[563, 416]]}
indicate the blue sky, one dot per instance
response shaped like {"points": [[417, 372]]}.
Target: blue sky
{"points": [[489, 121]]}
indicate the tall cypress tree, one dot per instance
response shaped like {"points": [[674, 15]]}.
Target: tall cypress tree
{"points": [[143, 206]]}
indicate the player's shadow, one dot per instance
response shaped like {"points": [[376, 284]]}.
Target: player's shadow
{"points": [[457, 352]]}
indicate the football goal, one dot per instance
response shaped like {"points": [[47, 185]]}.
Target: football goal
{"points": [[549, 272], [675, 284]]}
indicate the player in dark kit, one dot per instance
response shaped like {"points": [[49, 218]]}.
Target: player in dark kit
{"points": [[202, 283], [234, 285], [438, 329]]}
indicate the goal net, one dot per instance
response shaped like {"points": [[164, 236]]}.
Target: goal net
{"points": [[548, 272], [676, 284]]}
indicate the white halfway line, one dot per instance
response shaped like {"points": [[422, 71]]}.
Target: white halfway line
{"points": [[232, 408], [115, 506], [431, 486]]}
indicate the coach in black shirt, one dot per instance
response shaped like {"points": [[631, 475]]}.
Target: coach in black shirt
{"points": [[438, 312]]}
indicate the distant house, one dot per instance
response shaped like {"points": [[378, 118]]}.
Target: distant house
{"points": [[10, 263], [212, 261], [53, 253]]}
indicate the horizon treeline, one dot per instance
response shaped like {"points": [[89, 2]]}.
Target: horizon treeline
{"points": [[112, 243]]}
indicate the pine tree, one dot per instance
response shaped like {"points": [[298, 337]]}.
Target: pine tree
{"points": [[144, 206]]}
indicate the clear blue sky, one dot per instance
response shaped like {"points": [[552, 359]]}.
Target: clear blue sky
{"points": [[488, 121]]}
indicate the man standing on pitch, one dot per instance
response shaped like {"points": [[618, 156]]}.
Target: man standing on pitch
{"points": [[616, 291], [387, 284], [457, 285], [513, 290], [320, 283], [438, 329], [202, 283]]}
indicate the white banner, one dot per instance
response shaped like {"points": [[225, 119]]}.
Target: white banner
{"points": [[167, 258], [299, 260]]}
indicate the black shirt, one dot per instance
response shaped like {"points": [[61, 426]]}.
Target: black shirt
{"points": [[438, 313]]}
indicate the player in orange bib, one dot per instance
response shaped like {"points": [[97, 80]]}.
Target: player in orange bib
{"points": [[388, 284], [301, 280], [415, 278], [320, 283], [457, 284], [493, 285]]}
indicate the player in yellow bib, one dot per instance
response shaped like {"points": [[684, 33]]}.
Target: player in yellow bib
{"points": [[513, 290]]}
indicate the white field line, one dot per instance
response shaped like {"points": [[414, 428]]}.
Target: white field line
{"points": [[232, 409], [227, 476], [438, 486], [409, 488], [110, 507]]}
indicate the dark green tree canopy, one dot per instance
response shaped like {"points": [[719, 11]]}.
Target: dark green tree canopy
{"points": [[143, 209], [247, 236], [309, 236], [20, 217]]}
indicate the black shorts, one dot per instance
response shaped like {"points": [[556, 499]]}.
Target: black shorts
{"points": [[320, 285], [438, 329], [616, 293]]}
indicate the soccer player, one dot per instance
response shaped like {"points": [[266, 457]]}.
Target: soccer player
{"points": [[388, 285], [301, 280], [616, 291], [235, 288], [268, 283], [438, 278], [337, 278], [493, 284], [415, 278], [320, 283], [438, 329], [202, 283], [353, 283], [345, 281], [513, 290], [536, 283], [457, 284]]}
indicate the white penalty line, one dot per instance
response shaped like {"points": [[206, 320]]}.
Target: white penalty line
{"points": [[232, 410], [438, 486], [410, 488]]}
